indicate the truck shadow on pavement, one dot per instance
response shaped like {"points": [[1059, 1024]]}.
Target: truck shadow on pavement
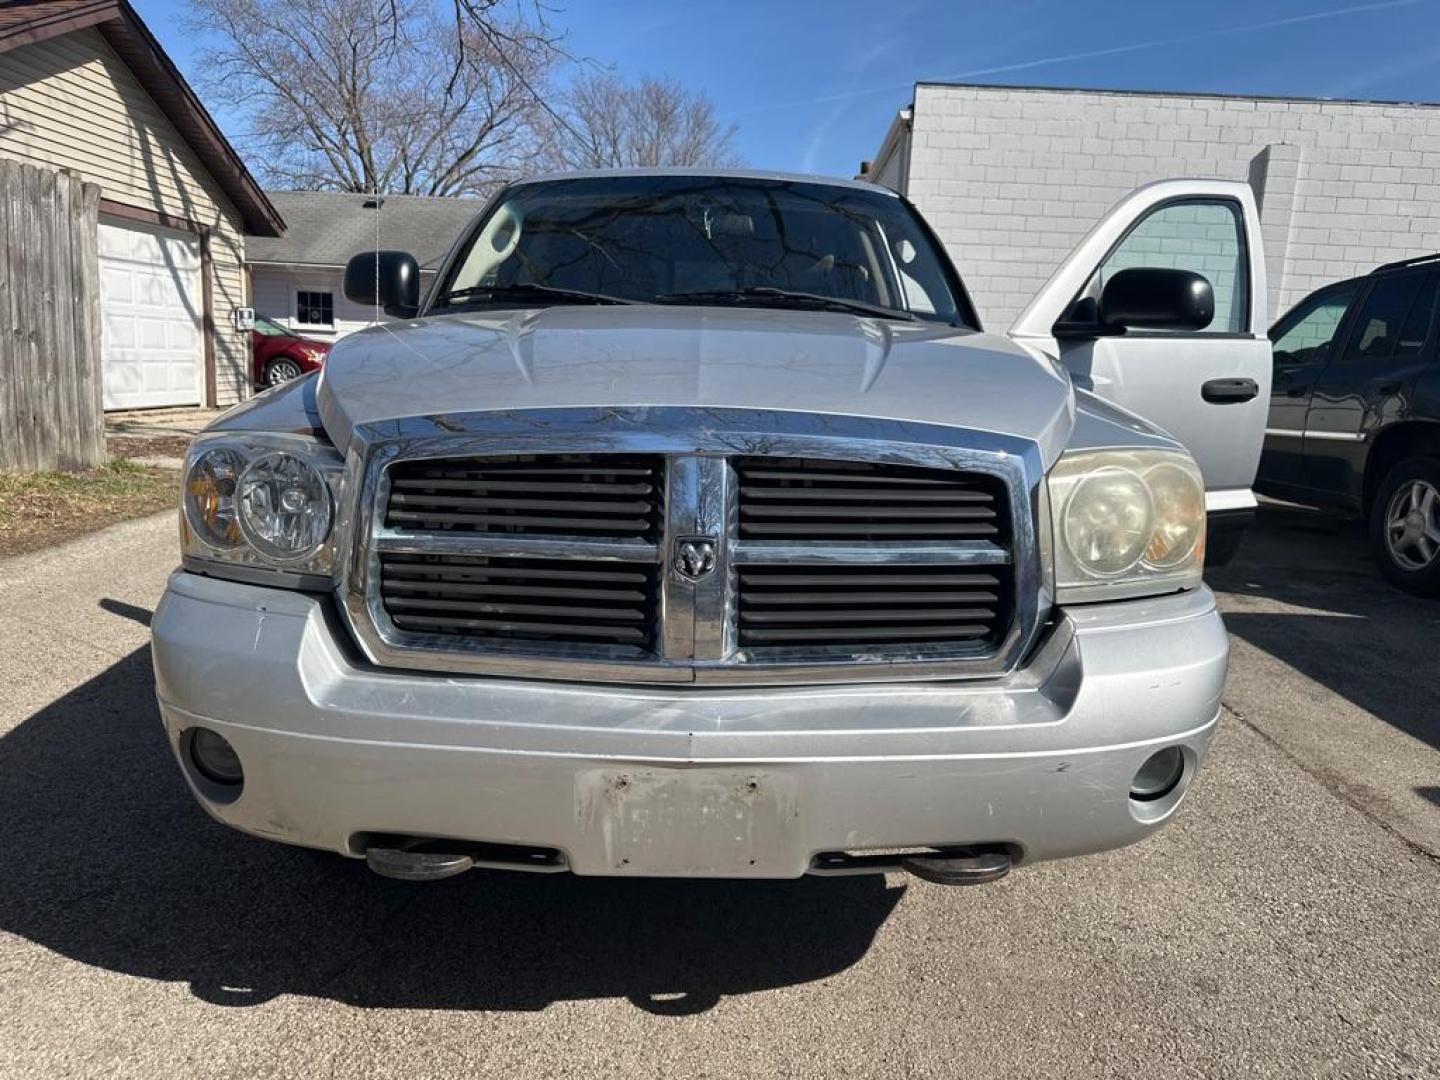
{"points": [[110, 862], [1305, 590]]}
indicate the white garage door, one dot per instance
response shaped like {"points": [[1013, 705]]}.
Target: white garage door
{"points": [[151, 345]]}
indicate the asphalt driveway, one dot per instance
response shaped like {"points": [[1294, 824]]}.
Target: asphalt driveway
{"points": [[1287, 925]]}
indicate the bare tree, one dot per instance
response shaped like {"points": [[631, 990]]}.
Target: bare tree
{"points": [[605, 122], [394, 96]]}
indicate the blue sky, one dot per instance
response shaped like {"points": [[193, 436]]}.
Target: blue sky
{"points": [[812, 86]]}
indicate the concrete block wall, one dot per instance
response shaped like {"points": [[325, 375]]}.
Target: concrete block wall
{"points": [[1012, 178]]}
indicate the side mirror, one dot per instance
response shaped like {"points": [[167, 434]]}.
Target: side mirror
{"points": [[388, 278], [1141, 298], [1157, 298]]}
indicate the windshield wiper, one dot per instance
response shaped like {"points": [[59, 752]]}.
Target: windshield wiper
{"points": [[767, 295], [530, 291]]}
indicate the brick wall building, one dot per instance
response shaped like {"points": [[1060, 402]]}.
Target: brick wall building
{"points": [[1012, 177]]}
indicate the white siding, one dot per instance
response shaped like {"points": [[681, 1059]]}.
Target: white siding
{"points": [[71, 103], [1012, 178], [275, 288]]}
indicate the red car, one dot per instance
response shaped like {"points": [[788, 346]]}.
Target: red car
{"points": [[279, 354]]}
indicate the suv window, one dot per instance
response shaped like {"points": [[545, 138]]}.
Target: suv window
{"points": [[1385, 327], [1305, 337], [1416, 328], [1205, 236]]}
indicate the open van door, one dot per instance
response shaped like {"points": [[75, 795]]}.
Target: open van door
{"points": [[1207, 385]]}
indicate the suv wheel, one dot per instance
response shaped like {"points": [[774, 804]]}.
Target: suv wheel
{"points": [[1405, 525], [281, 370]]}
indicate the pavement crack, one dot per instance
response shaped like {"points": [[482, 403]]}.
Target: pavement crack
{"points": [[1334, 787]]}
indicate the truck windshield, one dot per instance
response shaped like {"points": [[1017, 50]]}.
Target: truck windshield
{"points": [[708, 240]]}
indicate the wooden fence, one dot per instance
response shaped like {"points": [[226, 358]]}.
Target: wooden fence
{"points": [[51, 416]]}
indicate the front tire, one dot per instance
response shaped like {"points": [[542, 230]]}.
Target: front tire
{"points": [[281, 370], [1405, 526]]}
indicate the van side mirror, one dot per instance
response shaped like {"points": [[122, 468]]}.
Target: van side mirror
{"points": [[390, 279], [1142, 298]]}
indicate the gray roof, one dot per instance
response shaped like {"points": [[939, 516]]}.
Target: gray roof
{"points": [[325, 228], [700, 170]]}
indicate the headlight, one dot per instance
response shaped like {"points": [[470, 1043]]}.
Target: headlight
{"points": [[1127, 523], [208, 498], [259, 503], [284, 506]]}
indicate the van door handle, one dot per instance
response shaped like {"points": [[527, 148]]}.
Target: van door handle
{"points": [[1225, 391]]}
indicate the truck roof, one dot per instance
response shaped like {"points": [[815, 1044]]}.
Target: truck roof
{"points": [[739, 174]]}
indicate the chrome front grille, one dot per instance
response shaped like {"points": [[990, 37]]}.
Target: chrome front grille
{"points": [[684, 546]]}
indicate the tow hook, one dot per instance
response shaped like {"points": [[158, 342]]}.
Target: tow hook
{"points": [[417, 865], [959, 867]]}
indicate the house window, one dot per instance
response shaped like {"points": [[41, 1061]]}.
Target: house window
{"points": [[315, 308]]}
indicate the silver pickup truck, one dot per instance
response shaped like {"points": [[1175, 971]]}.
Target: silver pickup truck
{"points": [[689, 525]]}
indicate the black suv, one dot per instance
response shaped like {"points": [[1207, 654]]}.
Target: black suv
{"points": [[1355, 412]]}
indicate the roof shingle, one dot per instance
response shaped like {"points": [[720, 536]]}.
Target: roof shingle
{"points": [[325, 228]]}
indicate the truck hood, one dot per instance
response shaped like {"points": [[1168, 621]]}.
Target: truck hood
{"points": [[648, 355]]}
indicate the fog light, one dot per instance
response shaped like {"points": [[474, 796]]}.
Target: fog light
{"points": [[1159, 775], [215, 757]]}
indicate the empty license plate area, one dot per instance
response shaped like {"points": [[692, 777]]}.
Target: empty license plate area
{"points": [[688, 822]]}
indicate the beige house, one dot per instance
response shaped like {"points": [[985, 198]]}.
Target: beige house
{"points": [[85, 87]]}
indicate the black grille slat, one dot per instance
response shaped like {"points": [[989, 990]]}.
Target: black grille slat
{"points": [[590, 464], [397, 586], [898, 513], [622, 635], [576, 495], [909, 597], [540, 525], [467, 572], [889, 634], [815, 472], [519, 611], [868, 531], [837, 617], [912, 577], [440, 483], [854, 494], [807, 499], [573, 506], [483, 599]]}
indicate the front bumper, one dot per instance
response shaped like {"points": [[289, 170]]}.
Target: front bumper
{"points": [[686, 782]]}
